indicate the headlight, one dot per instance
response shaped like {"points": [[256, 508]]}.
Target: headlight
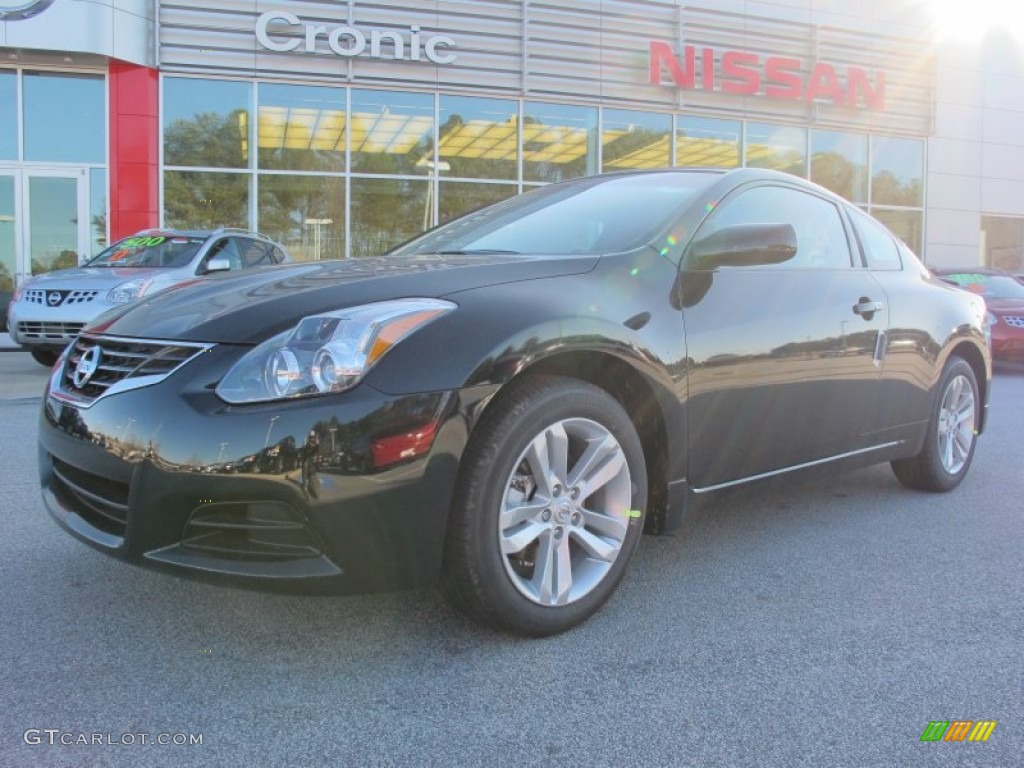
{"points": [[330, 352], [130, 291], [18, 292]]}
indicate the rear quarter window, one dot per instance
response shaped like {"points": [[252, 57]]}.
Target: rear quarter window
{"points": [[881, 251]]}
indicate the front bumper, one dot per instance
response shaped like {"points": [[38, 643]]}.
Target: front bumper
{"points": [[346, 493], [37, 325], [1007, 342]]}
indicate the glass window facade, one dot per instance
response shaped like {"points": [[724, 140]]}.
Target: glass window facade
{"points": [[204, 200], [301, 128], [559, 141], [459, 197], [7, 239], [478, 138], [387, 212], [347, 172], [207, 122], [781, 147], [97, 210], [839, 162], [53, 103], [392, 132], [635, 139], [897, 172], [304, 213], [704, 142], [8, 115]]}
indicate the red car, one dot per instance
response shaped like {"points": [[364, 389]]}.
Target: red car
{"points": [[1004, 297]]}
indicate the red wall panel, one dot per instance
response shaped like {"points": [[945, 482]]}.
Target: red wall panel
{"points": [[134, 149]]}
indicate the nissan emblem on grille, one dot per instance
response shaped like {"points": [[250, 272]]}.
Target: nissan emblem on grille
{"points": [[88, 363], [53, 298]]}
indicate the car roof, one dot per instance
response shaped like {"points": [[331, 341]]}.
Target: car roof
{"points": [[199, 233]]}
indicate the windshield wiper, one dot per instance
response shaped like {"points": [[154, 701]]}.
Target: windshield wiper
{"points": [[476, 252]]}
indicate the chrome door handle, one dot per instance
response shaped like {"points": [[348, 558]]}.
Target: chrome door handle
{"points": [[868, 307]]}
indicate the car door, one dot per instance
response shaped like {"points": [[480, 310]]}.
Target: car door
{"points": [[785, 358], [908, 364]]}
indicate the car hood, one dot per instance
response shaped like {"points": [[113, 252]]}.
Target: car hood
{"points": [[1005, 305], [90, 277], [249, 307]]}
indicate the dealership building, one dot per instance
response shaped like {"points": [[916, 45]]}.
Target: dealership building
{"points": [[342, 128]]}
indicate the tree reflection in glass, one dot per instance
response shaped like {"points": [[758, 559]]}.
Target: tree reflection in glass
{"points": [[478, 138], [204, 200], [306, 214], [559, 141], [206, 123], [783, 148], [704, 142], [301, 128], [897, 171], [839, 162], [387, 212], [392, 132], [631, 139]]}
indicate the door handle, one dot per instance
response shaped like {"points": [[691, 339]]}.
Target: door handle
{"points": [[866, 307]]}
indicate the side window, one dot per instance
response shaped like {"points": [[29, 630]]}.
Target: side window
{"points": [[225, 249], [820, 235], [279, 256], [255, 253], [880, 248]]}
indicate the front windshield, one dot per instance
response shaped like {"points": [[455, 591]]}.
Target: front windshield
{"points": [[149, 251], [593, 215], [989, 286]]}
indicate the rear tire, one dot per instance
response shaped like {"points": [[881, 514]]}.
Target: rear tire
{"points": [[548, 508], [45, 357], [949, 443]]}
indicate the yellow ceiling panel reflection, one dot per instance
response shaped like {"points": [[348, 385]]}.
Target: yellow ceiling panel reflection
{"points": [[301, 128], [482, 139], [698, 152], [387, 133], [553, 144], [653, 155]]}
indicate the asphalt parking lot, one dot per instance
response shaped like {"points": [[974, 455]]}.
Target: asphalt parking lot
{"points": [[810, 623]]}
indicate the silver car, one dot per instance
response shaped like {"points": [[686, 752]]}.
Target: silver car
{"points": [[49, 310]]}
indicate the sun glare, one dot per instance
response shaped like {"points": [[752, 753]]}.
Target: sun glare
{"points": [[972, 19]]}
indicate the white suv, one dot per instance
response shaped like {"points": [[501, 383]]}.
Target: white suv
{"points": [[48, 311]]}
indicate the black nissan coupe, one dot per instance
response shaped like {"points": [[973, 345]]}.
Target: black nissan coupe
{"points": [[501, 406]]}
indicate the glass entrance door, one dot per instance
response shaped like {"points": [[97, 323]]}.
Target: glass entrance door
{"points": [[44, 223], [8, 241], [56, 216]]}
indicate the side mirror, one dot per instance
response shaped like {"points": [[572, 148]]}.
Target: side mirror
{"points": [[744, 245], [217, 264]]}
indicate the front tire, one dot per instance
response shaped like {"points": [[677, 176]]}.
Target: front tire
{"points": [[548, 509], [949, 444], [43, 356]]}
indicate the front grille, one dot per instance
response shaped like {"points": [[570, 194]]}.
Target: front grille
{"points": [[119, 364], [101, 502], [51, 332], [1014, 321], [58, 298]]}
